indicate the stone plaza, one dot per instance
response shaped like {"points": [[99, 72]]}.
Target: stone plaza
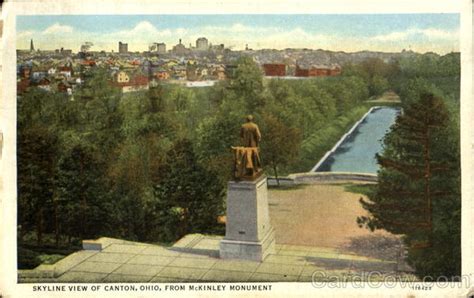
{"points": [[195, 258]]}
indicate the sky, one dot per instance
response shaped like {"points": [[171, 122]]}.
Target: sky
{"points": [[342, 32]]}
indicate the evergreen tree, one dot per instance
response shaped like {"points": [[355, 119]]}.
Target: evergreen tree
{"points": [[418, 194]]}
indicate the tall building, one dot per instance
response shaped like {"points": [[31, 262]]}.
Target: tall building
{"points": [[202, 44], [32, 47], [179, 49], [161, 48], [123, 47]]}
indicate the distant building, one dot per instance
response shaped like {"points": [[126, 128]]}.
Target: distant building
{"points": [[191, 73], [219, 73], [137, 83], [274, 70], [202, 44], [130, 84], [32, 47], [44, 84], [122, 77], [203, 72], [317, 71], [179, 72], [162, 75], [25, 72], [38, 73], [179, 49], [66, 71], [123, 47], [89, 63], [64, 52], [217, 48], [161, 48], [64, 87]]}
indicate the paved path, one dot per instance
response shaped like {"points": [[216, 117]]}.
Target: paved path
{"points": [[324, 215], [316, 215]]}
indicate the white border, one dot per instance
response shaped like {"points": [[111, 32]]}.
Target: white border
{"points": [[8, 286]]}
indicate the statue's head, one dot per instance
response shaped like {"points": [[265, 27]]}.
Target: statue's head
{"points": [[249, 118]]}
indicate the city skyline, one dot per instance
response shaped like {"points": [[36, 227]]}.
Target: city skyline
{"points": [[350, 33]]}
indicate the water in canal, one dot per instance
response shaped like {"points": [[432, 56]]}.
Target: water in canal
{"points": [[357, 151]]}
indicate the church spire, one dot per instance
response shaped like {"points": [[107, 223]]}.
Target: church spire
{"points": [[32, 47]]}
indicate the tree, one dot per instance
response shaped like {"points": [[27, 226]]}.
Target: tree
{"points": [[145, 137], [280, 143], [36, 164], [214, 137], [378, 85], [247, 83], [418, 194], [83, 200], [189, 196]]}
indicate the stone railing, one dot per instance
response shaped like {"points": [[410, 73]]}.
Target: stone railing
{"points": [[321, 177]]}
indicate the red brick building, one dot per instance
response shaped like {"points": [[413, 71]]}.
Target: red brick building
{"points": [[317, 71], [274, 70]]}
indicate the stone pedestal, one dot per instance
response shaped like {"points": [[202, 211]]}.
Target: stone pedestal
{"points": [[249, 234]]}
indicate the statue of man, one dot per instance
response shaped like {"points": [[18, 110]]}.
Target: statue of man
{"points": [[249, 133]]}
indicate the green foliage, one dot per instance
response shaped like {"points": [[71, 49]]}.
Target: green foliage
{"points": [[441, 73], [83, 203], [418, 194], [378, 85], [281, 144], [28, 259], [49, 259], [36, 163], [247, 83], [375, 72], [153, 165], [365, 189], [323, 139], [188, 193]]}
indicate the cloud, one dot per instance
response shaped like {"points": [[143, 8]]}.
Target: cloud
{"points": [[181, 31], [57, 29], [430, 33], [240, 28], [25, 34], [141, 28], [140, 35]]}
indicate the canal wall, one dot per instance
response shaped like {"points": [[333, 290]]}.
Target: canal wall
{"points": [[321, 177], [342, 139]]}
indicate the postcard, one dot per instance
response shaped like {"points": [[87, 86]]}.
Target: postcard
{"points": [[237, 149]]}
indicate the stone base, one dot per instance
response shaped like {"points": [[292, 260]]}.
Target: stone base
{"points": [[248, 250]]}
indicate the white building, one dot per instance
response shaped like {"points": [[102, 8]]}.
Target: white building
{"points": [[122, 77], [161, 48]]}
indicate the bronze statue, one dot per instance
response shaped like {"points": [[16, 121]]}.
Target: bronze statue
{"points": [[249, 133], [247, 164]]}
